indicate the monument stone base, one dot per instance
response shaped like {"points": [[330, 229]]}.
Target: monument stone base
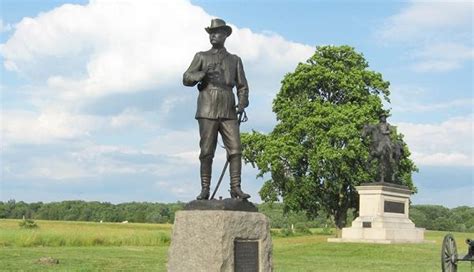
{"points": [[383, 216], [220, 240]]}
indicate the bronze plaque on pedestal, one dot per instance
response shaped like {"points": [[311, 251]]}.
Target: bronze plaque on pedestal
{"points": [[246, 256], [393, 207]]}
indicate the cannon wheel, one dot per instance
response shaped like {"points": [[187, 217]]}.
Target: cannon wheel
{"points": [[449, 254]]}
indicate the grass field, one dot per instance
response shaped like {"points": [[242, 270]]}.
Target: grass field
{"points": [[85, 246]]}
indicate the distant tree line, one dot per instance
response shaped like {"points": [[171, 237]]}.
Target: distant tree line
{"points": [[76, 210], [432, 217], [436, 217]]}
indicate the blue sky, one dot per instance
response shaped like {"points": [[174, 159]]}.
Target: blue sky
{"points": [[92, 105]]}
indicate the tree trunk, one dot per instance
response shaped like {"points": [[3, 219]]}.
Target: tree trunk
{"points": [[338, 232], [340, 221]]}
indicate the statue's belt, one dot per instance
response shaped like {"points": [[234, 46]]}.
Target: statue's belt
{"points": [[212, 86]]}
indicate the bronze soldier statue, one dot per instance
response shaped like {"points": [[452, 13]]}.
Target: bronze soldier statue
{"points": [[384, 150], [217, 72]]}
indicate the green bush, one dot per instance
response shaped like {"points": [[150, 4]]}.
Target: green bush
{"points": [[325, 231], [28, 224], [302, 228], [286, 232]]}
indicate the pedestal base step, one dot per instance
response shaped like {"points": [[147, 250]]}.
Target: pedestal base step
{"points": [[395, 234], [369, 241]]}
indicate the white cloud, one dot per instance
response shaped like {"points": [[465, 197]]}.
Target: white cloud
{"points": [[185, 190], [56, 169], [57, 124], [131, 118], [443, 159], [421, 18], [75, 54], [88, 160], [468, 102], [439, 34], [45, 127], [179, 144], [443, 57], [110, 159], [108, 47], [104, 52], [447, 143], [411, 106], [411, 98]]}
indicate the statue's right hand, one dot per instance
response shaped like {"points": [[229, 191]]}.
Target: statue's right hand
{"points": [[199, 75]]}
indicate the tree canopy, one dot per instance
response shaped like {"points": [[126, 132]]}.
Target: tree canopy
{"points": [[315, 154]]}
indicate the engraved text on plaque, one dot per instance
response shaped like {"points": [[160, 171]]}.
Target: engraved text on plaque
{"points": [[393, 207], [246, 256]]}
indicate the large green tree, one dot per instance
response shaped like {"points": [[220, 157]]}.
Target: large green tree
{"points": [[315, 155]]}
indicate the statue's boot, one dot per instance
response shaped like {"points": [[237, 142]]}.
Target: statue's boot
{"points": [[235, 162], [206, 172], [204, 195], [236, 192]]}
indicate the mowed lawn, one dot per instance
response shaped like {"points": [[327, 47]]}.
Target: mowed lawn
{"points": [[85, 246]]}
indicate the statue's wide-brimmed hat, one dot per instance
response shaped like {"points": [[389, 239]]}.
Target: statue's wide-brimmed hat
{"points": [[217, 24]]}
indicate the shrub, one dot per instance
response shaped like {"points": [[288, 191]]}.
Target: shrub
{"points": [[301, 228], [28, 224], [285, 232]]}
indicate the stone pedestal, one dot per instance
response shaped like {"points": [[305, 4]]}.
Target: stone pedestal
{"points": [[383, 216], [220, 240]]}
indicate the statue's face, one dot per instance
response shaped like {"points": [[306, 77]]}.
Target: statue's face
{"points": [[217, 37], [383, 119]]}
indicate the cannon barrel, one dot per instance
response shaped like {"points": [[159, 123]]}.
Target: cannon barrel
{"points": [[470, 242]]}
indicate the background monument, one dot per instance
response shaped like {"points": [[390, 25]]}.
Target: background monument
{"points": [[383, 205]]}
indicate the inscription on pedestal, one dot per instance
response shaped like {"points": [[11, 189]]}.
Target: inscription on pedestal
{"points": [[245, 256], [393, 207], [366, 224]]}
